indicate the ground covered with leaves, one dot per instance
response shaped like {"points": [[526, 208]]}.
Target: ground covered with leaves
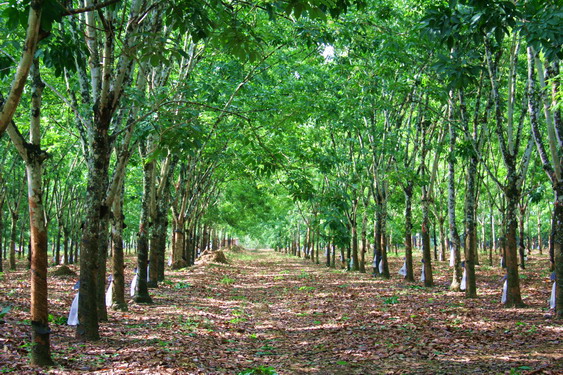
{"points": [[267, 313]]}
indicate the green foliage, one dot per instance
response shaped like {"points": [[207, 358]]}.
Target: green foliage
{"points": [[260, 370], [5, 310], [227, 280], [391, 300], [58, 320], [181, 285]]}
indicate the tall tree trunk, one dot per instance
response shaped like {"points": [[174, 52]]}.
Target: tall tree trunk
{"points": [[513, 297], [13, 233], [142, 292], [408, 231], [65, 246], [558, 249], [521, 237], [58, 245], [118, 264], [41, 349], [97, 180], [540, 247], [442, 239], [382, 218], [470, 227], [454, 235], [103, 244], [426, 251], [34, 157], [354, 227], [364, 238], [2, 247]]}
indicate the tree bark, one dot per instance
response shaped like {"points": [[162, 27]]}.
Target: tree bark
{"points": [[454, 236], [426, 251], [408, 231], [142, 292], [118, 264]]}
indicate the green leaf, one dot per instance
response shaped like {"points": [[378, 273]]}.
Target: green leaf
{"points": [[5, 310]]}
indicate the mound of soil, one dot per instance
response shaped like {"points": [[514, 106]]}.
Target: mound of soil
{"points": [[63, 271], [237, 249], [209, 256]]}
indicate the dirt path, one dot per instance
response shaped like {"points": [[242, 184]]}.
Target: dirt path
{"points": [[270, 310]]}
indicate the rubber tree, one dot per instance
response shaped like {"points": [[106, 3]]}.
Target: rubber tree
{"points": [[34, 156], [542, 106]]}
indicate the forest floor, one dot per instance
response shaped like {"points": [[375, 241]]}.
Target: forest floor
{"points": [[272, 311]]}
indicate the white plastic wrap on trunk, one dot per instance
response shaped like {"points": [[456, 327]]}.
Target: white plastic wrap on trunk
{"points": [[452, 257], [422, 275], [463, 285], [403, 270], [381, 266], [552, 298], [134, 285], [504, 291], [109, 294], [73, 314]]}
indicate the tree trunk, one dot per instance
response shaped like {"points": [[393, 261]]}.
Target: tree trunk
{"points": [[540, 247], [2, 247], [470, 229], [354, 225], [558, 249], [118, 264], [364, 240], [521, 237], [426, 251], [513, 297], [142, 292], [40, 351], [58, 245], [98, 163], [178, 260], [103, 244], [65, 246], [13, 234], [408, 231], [33, 156], [442, 240], [454, 236]]}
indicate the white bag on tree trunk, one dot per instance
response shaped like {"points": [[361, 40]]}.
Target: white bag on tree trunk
{"points": [[109, 294], [134, 284], [422, 274], [381, 266], [463, 284], [552, 298], [73, 314], [504, 290], [403, 270], [452, 257]]}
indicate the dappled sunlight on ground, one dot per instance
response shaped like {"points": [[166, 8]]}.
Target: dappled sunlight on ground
{"points": [[269, 309]]}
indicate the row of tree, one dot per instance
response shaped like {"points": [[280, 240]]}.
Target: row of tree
{"points": [[325, 122]]}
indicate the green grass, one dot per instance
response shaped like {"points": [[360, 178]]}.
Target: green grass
{"points": [[227, 280], [391, 300]]}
